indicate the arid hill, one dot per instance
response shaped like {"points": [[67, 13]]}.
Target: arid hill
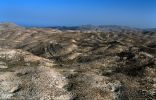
{"points": [[77, 63]]}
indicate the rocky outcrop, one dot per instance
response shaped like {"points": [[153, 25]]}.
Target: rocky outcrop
{"points": [[30, 77]]}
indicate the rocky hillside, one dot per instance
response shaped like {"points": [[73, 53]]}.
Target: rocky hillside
{"points": [[77, 64]]}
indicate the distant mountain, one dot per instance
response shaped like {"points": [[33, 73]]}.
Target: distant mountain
{"points": [[149, 31], [100, 28], [90, 28]]}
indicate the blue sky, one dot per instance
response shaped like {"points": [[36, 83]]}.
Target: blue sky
{"points": [[135, 13]]}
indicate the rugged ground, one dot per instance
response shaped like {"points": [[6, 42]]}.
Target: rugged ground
{"points": [[83, 63]]}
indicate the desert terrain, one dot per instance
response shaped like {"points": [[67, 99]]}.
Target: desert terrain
{"points": [[77, 63]]}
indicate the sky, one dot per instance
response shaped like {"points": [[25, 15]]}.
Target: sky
{"points": [[135, 13]]}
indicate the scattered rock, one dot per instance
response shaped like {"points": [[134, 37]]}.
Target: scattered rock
{"points": [[3, 65], [14, 89]]}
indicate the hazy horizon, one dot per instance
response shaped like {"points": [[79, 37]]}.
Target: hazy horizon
{"points": [[44, 13]]}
